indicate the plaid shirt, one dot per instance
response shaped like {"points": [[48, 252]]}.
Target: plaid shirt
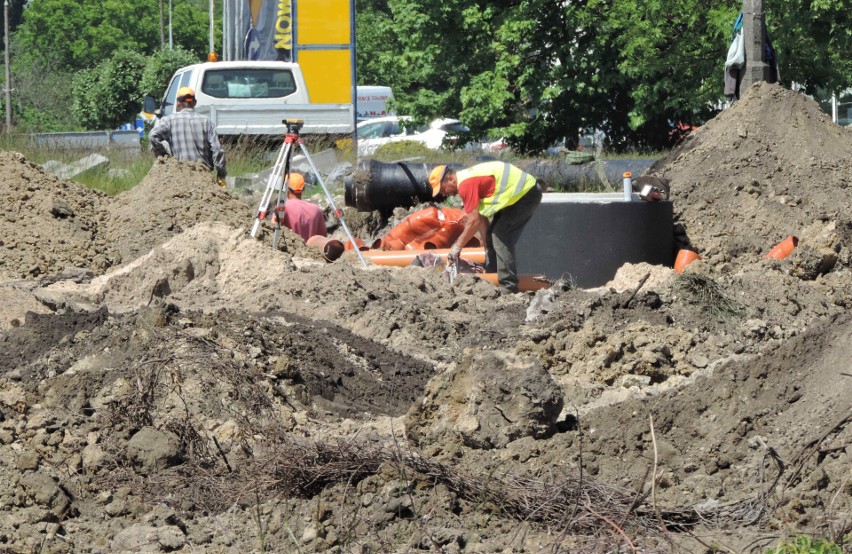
{"points": [[190, 136]]}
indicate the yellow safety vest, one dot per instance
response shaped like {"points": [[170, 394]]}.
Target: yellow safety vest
{"points": [[512, 183]]}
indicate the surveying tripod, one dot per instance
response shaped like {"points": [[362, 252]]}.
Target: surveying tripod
{"points": [[276, 182]]}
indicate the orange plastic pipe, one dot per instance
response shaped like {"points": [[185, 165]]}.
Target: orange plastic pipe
{"points": [[331, 248], [784, 248], [684, 258], [525, 282], [402, 258]]}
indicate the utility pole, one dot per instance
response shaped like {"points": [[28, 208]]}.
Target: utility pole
{"points": [[171, 42], [162, 27], [211, 52], [8, 87], [754, 41]]}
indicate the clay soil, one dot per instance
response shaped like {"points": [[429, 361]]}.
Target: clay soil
{"points": [[169, 384]]}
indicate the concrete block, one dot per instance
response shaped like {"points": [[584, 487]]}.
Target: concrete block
{"points": [[590, 236]]}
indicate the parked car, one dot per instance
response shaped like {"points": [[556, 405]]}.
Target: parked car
{"points": [[375, 132]]}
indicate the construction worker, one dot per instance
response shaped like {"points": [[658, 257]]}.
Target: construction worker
{"points": [[499, 199], [302, 217], [190, 135]]}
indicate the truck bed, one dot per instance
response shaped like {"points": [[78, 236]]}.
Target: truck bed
{"points": [[267, 119]]}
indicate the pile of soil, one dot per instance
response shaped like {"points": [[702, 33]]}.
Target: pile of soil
{"points": [[212, 393], [772, 165], [49, 224]]}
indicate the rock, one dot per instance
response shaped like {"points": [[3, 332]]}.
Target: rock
{"points": [[489, 400], [45, 492], [699, 361], [145, 538], [93, 457], [809, 262], [628, 381], [28, 460], [309, 534], [61, 209], [152, 450]]}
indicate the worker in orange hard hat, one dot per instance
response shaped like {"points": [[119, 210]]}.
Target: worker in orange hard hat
{"points": [[190, 136], [499, 199], [302, 217]]}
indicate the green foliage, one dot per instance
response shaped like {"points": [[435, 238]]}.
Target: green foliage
{"points": [[535, 72], [57, 39], [807, 545], [160, 68], [108, 95], [79, 34]]}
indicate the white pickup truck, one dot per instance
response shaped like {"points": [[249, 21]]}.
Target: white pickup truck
{"points": [[253, 98]]}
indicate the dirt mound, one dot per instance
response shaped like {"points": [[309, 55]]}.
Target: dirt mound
{"points": [[48, 224], [771, 165], [173, 197]]}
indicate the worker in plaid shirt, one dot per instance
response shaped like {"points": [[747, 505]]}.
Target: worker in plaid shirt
{"points": [[191, 136]]}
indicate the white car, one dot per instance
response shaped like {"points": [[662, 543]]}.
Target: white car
{"points": [[373, 133]]}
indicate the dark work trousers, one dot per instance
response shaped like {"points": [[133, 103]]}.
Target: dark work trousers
{"points": [[504, 230]]}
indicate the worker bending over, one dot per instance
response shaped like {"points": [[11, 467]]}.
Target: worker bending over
{"points": [[499, 191], [191, 136], [302, 217]]}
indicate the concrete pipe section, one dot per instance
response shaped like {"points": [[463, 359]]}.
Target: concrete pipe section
{"points": [[591, 235]]}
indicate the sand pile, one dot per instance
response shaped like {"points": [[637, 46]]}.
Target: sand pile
{"points": [[173, 197], [771, 165]]}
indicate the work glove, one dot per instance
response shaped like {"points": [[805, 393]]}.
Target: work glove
{"points": [[455, 251]]}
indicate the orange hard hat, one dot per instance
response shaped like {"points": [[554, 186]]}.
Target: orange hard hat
{"points": [[435, 178], [185, 93], [295, 182]]}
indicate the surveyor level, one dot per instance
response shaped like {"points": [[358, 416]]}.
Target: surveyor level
{"points": [[276, 182]]}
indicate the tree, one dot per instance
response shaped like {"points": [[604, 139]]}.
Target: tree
{"points": [[108, 95], [160, 68], [536, 71], [59, 38]]}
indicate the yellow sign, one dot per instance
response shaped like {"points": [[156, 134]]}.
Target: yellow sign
{"points": [[324, 22], [324, 45], [328, 74]]}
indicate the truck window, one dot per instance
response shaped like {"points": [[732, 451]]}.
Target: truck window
{"points": [[169, 101], [248, 83]]}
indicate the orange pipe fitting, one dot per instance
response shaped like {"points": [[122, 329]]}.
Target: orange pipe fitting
{"points": [[360, 243], [783, 248], [405, 257], [331, 248], [441, 227], [684, 258]]}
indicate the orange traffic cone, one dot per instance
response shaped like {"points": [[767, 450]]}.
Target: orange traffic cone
{"points": [[684, 258], [783, 248]]}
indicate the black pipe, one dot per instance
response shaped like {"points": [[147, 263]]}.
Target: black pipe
{"points": [[376, 185], [566, 177]]}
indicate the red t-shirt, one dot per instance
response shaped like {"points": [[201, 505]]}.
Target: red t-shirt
{"points": [[304, 218], [473, 189]]}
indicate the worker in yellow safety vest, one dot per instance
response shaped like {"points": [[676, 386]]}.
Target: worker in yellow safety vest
{"points": [[499, 199]]}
